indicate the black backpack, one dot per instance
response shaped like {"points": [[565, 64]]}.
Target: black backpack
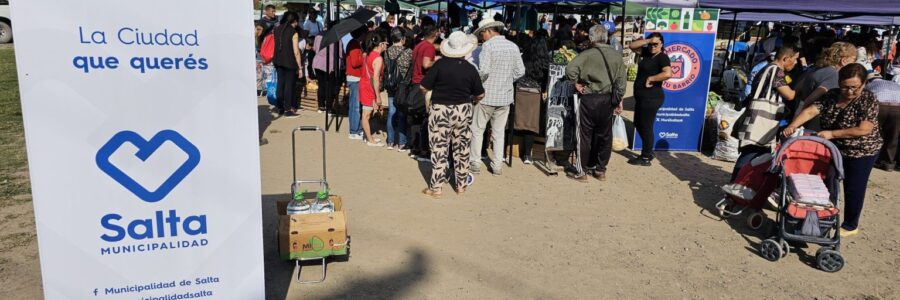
{"points": [[392, 76], [409, 99]]}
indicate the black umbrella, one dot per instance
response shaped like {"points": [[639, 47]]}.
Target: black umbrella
{"points": [[356, 20]]}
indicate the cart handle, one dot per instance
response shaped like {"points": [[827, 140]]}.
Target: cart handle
{"points": [[294, 149]]}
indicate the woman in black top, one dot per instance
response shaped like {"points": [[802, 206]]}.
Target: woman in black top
{"points": [[648, 94], [455, 86], [287, 64]]}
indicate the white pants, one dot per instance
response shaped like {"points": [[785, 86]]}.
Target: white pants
{"points": [[497, 116]]}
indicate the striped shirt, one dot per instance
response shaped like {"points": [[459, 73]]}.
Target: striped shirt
{"points": [[887, 92]]}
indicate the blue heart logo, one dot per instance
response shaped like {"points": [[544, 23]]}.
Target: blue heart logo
{"points": [[146, 148]]}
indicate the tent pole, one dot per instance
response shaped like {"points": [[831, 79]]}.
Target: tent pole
{"points": [[731, 40], [329, 107], [624, 5], [885, 61], [554, 28], [521, 19], [326, 87]]}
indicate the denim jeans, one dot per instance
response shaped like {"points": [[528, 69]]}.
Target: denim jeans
{"points": [[396, 125], [354, 113]]}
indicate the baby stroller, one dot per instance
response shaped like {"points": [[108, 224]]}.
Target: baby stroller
{"points": [[810, 171], [750, 190]]}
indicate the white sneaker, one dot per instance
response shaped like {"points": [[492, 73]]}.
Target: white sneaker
{"points": [[320, 111], [356, 137], [375, 144], [390, 147]]}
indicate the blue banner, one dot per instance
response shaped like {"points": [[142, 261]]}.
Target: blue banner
{"points": [[679, 122]]}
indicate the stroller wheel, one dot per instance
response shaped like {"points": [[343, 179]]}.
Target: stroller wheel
{"points": [[785, 248], [822, 249], [756, 220], [771, 250], [829, 260]]}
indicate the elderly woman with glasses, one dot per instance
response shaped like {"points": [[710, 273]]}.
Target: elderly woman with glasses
{"points": [[653, 69], [849, 118]]}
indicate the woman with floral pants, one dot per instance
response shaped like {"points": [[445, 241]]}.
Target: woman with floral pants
{"points": [[455, 86]]}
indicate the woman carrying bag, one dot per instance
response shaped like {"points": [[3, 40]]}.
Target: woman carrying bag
{"points": [[757, 129]]}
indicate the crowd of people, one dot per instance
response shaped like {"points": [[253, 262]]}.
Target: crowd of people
{"points": [[841, 97], [441, 89], [448, 93]]}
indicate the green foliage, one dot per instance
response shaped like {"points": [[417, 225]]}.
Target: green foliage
{"points": [[14, 185]]}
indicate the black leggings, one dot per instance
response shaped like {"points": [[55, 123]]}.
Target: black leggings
{"points": [[287, 90], [645, 109]]}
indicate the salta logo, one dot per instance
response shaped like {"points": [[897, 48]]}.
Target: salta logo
{"points": [[146, 148], [162, 223]]}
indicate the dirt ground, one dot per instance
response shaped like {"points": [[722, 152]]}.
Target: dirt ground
{"points": [[645, 233]]}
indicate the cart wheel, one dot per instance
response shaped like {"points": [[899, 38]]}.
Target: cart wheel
{"points": [[724, 206], [756, 220], [771, 250], [829, 260], [785, 248]]}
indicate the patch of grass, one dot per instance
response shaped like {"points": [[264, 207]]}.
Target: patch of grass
{"points": [[13, 162]]}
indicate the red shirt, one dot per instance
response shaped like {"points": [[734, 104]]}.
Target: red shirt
{"points": [[355, 59], [366, 90], [420, 52]]}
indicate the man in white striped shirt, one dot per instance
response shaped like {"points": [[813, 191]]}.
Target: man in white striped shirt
{"points": [[500, 65]]}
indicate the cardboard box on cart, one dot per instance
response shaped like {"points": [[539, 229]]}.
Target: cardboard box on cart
{"points": [[305, 236]]}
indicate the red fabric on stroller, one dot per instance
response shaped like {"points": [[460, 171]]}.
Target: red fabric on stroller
{"points": [[757, 178], [807, 157]]}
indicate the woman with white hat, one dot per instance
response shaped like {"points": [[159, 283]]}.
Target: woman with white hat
{"points": [[455, 86]]}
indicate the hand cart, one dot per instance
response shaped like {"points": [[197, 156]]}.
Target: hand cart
{"points": [[323, 189]]}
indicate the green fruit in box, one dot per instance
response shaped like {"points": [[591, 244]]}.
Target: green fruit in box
{"points": [[632, 72]]}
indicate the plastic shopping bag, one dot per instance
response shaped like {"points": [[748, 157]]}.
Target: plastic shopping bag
{"points": [[271, 88], [726, 144], [620, 135]]}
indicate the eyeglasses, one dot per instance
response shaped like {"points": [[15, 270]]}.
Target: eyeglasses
{"points": [[851, 89]]}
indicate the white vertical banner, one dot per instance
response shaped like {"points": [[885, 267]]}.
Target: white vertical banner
{"points": [[142, 138]]}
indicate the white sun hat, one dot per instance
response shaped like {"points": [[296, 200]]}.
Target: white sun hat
{"points": [[457, 45]]}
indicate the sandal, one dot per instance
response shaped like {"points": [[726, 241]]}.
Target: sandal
{"points": [[460, 191], [431, 193]]}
